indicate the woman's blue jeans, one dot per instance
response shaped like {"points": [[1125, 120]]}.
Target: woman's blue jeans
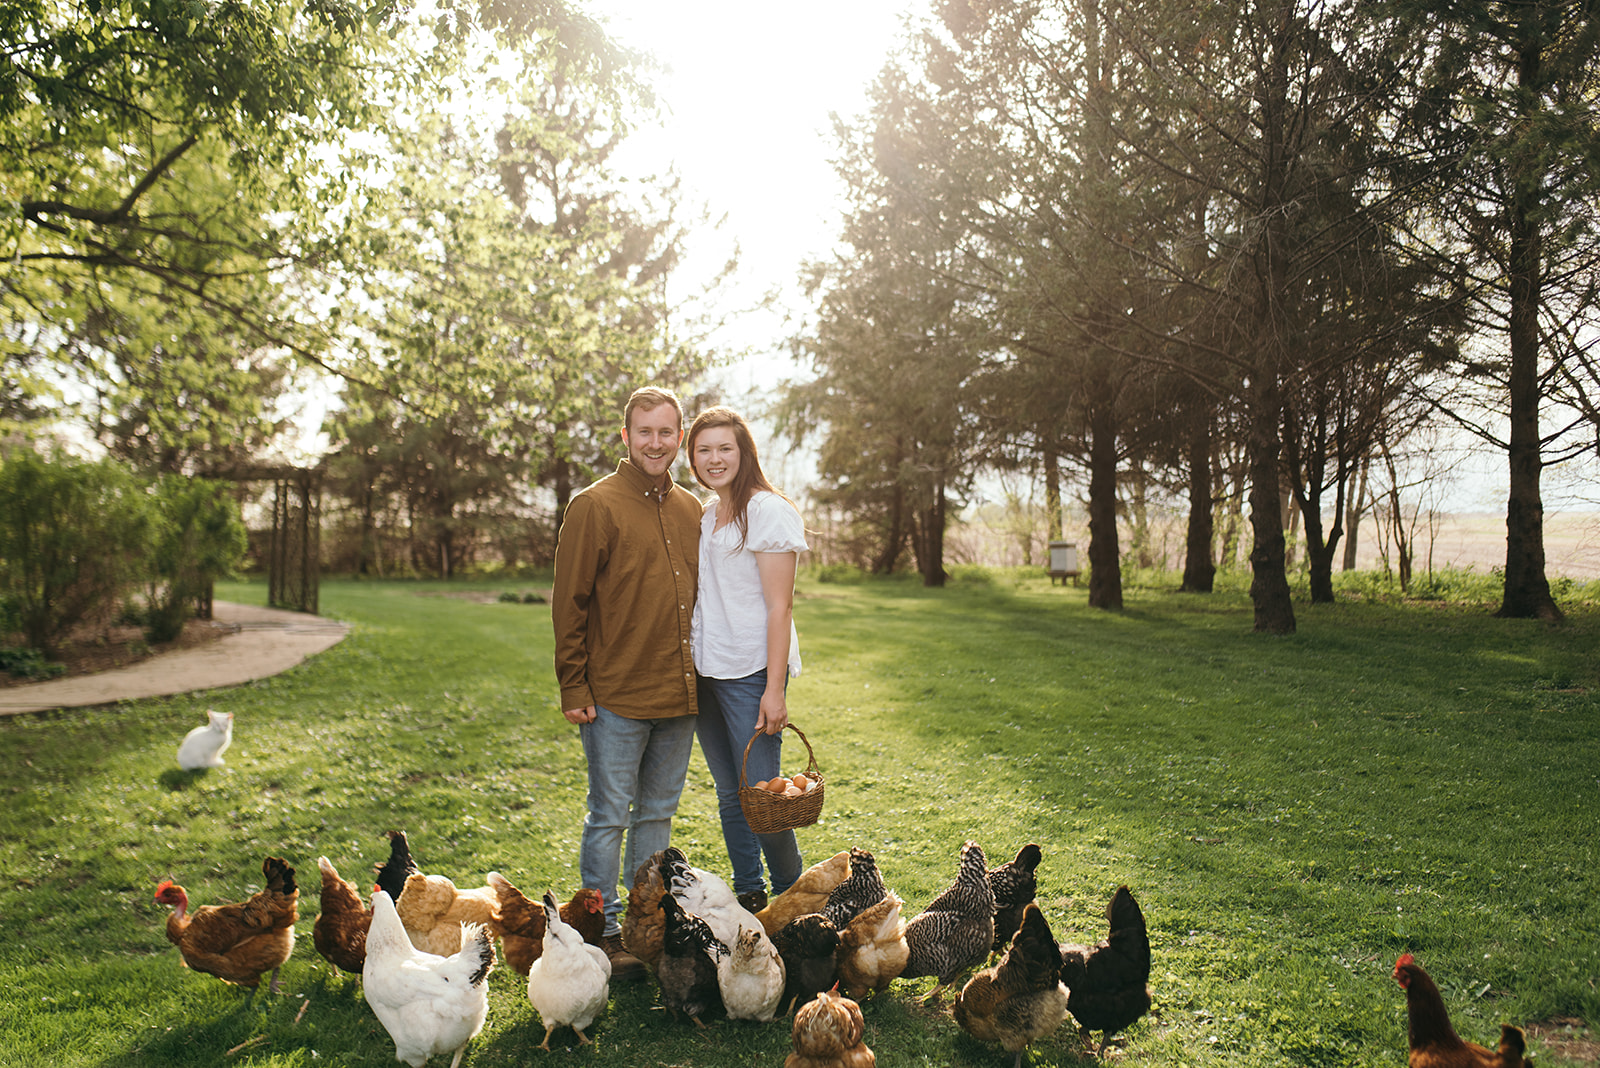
{"points": [[728, 712], [636, 773]]}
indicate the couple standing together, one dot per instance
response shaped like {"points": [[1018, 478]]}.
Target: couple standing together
{"points": [[664, 608]]}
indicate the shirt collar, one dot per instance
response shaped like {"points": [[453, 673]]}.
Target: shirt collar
{"points": [[642, 482]]}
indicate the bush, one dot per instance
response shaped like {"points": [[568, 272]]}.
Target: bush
{"points": [[197, 537], [29, 664], [71, 536]]}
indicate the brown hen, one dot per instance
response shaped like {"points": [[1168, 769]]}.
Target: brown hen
{"points": [[1434, 1043], [340, 930], [237, 943]]}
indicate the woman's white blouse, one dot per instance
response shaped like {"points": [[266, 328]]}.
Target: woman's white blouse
{"points": [[729, 628]]}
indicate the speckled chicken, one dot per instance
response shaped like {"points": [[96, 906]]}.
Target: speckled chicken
{"points": [[808, 894], [1014, 884], [340, 930], [828, 1033], [955, 931], [1021, 998], [809, 946], [1108, 983], [861, 889], [642, 923], [686, 970], [872, 948]]}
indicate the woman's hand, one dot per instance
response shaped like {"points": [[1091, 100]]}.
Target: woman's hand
{"points": [[774, 714]]}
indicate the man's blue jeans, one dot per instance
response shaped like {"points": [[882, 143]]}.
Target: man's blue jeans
{"points": [[636, 773], [728, 712]]}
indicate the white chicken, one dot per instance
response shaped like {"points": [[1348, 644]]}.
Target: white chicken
{"points": [[571, 981], [428, 1004], [750, 977], [707, 896]]}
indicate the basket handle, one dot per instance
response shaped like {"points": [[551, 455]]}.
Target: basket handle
{"points": [[811, 754]]}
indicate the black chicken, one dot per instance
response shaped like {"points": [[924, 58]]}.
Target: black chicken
{"points": [[687, 968], [1108, 983], [953, 933], [859, 892], [809, 946], [392, 874], [1014, 885]]}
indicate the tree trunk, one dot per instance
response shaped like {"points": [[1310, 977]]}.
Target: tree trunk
{"points": [[894, 538], [1269, 584], [930, 540], [1052, 496], [1105, 564], [1199, 573], [1527, 590], [1352, 517], [563, 489]]}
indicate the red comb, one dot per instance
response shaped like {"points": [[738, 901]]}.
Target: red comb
{"points": [[1405, 958]]}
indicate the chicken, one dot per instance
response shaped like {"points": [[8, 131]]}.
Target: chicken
{"points": [[861, 889], [809, 946], [686, 970], [827, 1034], [1107, 984], [955, 931], [570, 983], [340, 930], [428, 1003], [708, 897], [521, 923], [872, 948], [392, 874], [1434, 1043], [1014, 884], [433, 911], [750, 977], [1021, 998], [237, 943], [642, 922], [807, 894]]}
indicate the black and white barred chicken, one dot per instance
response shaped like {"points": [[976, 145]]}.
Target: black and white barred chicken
{"points": [[953, 933], [861, 889], [1014, 884]]}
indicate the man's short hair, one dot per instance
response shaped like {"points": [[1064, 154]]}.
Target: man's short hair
{"points": [[650, 398]]}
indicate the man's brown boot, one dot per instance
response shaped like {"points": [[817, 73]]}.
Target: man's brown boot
{"points": [[624, 965]]}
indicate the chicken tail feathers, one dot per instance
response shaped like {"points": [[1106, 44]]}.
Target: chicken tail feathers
{"points": [[480, 945], [280, 877]]}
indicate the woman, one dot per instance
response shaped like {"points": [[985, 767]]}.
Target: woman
{"points": [[743, 637]]}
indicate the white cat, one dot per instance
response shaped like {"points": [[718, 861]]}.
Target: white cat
{"points": [[203, 746]]}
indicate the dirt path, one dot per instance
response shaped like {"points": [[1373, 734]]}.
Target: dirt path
{"points": [[267, 641]]}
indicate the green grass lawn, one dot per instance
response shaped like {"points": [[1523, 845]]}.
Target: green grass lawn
{"points": [[1292, 814]]}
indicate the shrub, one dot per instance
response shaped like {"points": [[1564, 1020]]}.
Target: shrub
{"points": [[28, 664], [197, 537], [509, 597], [70, 539]]}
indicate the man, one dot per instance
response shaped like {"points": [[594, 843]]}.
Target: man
{"points": [[626, 562]]}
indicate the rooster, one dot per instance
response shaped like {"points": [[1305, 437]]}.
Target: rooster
{"points": [[955, 931], [237, 943], [1108, 983], [340, 930], [1434, 1043], [570, 983], [1021, 998], [428, 1003], [1014, 884]]}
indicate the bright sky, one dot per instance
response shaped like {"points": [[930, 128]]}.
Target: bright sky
{"points": [[748, 95]]}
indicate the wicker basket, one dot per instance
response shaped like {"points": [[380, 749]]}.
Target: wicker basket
{"points": [[767, 812]]}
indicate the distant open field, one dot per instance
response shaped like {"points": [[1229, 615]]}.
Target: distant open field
{"points": [[1571, 544]]}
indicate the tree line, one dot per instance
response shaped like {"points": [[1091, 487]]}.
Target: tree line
{"points": [[1123, 237], [219, 208]]}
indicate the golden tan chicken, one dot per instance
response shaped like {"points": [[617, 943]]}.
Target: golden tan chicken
{"points": [[1434, 1043], [828, 1034], [237, 943], [872, 948], [432, 910], [340, 930], [1021, 998], [643, 925], [808, 894]]}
